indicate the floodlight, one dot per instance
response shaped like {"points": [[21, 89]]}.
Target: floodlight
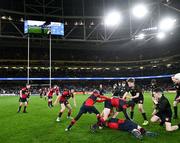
{"points": [[140, 11], [167, 24], [112, 19]]}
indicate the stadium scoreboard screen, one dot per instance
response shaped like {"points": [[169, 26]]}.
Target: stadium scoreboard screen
{"points": [[41, 27]]}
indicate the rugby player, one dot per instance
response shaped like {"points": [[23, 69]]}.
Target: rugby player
{"points": [[50, 93], [137, 98], [129, 126], [163, 112], [88, 107], [24, 95], [63, 100]]}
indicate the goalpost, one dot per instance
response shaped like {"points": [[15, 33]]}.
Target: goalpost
{"points": [[45, 28], [50, 61]]}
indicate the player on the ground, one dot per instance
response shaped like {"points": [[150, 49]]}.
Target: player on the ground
{"points": [[24, 93], [137, 98], [88, 107], [163, 112], [50, 93], [177, 98], [120, 104], [63, 100], [129, 126]]}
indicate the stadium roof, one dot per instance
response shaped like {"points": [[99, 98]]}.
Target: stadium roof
{"points": [[84, 28]]}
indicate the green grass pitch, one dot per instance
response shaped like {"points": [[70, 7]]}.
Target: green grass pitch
{"points": [[39, 125]]}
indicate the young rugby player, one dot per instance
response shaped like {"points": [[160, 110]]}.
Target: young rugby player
{"points": [[137, 98], [163, 112], [88, 107], [63, 100], [24, 95], [129, 126], [50, 93]]}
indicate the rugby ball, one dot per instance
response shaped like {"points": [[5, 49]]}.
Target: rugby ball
{"points": [[177, 76]]}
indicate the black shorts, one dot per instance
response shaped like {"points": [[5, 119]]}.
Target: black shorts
{"points": [[88, 109], [49, 97], [138, 101], [128, 126], [107, 104], [64, 102], [177, 96], [22, 99], [164, 118]]}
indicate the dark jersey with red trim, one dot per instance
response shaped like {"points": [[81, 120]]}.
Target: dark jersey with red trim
{"points": [[57, 90], [92, 99], [114, 123], [136, 89], [66, 95], [25, 93], [51, 92], [119, 103]]}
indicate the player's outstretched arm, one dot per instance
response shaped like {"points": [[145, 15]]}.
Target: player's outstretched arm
{"points": [[57, 99]]}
